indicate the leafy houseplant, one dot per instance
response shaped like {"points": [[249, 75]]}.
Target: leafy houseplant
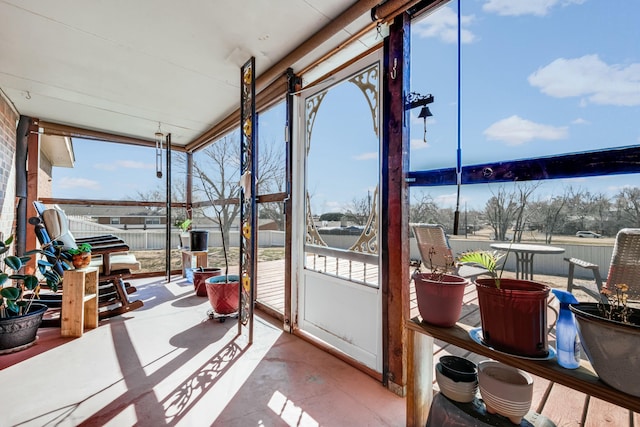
{"points": [[513, 312], [81, 256], [185, 226], [20, 317], [439, 293], [610, 336]]}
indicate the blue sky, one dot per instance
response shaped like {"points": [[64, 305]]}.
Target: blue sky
{"points": [[106, 171], [539, 77]]}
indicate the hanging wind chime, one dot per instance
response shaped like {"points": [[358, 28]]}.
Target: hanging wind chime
{"points": [[158, 138]]}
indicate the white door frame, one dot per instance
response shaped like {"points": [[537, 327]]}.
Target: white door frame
{"points": [[344, 314]]}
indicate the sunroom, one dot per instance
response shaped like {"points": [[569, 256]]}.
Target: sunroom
{"points": [[253, 118]]}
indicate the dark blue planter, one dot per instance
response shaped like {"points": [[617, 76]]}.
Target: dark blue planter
{"points": [[19, 332]]}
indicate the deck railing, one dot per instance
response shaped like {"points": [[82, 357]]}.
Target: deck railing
{"points": [[342, 263]]}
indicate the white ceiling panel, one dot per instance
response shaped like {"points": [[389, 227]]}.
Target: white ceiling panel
{"points": [[123, 66]]}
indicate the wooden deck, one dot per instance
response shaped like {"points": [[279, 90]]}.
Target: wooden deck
{"points": [[565, 406]]}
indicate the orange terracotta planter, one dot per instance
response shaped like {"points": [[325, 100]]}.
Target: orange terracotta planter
{"points": [[81, 260]]}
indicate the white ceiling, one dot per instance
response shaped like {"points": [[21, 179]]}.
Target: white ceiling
{"points": [[124, 66]]}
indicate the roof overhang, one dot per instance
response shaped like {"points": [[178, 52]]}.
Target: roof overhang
{"points": [[58, 149]]}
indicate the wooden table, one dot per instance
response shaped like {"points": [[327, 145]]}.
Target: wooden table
{"points": [[187, 260], [420, 341], [524, 253], [79, 301]]}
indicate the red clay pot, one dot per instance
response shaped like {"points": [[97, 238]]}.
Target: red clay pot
{"points": [[199, 277], [439, 297], [223, 293], [514, 317]]}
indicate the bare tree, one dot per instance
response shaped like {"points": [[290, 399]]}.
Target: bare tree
{"points": [[507, 209], [217, 173], [359, 209], [628, 205], [424, 210], [271, 179], [548, 214]]}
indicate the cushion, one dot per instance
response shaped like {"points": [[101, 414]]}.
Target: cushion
{"points": [[120, 261], [57, 225]]}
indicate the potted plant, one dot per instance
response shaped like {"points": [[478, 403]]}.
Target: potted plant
{"points": [[185, 237], [20, 317], [439, 293], [513, 312], [81, 256], [610, 335], [223, 291]]}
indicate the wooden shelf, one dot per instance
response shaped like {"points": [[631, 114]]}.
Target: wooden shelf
{"points": [[79, 301], [187, 259], [582, 379]]}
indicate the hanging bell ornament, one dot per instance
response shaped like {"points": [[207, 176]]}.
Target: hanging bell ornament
{"points": [[424, 113]]}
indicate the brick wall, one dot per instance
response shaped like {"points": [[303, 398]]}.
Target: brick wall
{"points": [[8, 124]]}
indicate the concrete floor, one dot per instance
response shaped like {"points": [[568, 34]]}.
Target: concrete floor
{"points": [[169, 364]]}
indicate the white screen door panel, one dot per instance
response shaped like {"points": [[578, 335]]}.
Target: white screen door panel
{"points": [[337, 295]]}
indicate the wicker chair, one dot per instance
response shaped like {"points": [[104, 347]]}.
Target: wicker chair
{"points": [[623, 269], [436, 252]]}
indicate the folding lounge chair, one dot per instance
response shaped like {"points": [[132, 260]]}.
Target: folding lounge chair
{"points": [[92, 240], [111, 258], [624, 267], [436, 252]]}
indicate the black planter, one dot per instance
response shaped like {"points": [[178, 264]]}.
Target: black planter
{"points": [[459, 369], [199, 240], [17, 333]]}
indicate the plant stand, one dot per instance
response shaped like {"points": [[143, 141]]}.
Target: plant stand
{"points": [[187, 260], [79, 301], [445, 412], [221, 317]]}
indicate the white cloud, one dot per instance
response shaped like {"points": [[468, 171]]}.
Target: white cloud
{"points": [[68, 183], [373, 155], [130, 164], [127, 164], [446, 200], [515, 130], [443, 24], [580, 121], [524, 7], [591, 78]]}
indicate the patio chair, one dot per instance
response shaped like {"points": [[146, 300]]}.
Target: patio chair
{"points": [[624, 267], [111, 259], [41, 208], [436, 252]]}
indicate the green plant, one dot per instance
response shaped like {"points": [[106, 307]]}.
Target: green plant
{"points": [[486, 259], [13, 285], [81, 249], [617, 308], [185, 225]]}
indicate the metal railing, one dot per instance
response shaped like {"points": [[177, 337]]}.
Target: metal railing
{"points": [[356, 267]]}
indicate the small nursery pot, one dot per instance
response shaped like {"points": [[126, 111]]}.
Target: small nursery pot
{"points": [[459, 369]]}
